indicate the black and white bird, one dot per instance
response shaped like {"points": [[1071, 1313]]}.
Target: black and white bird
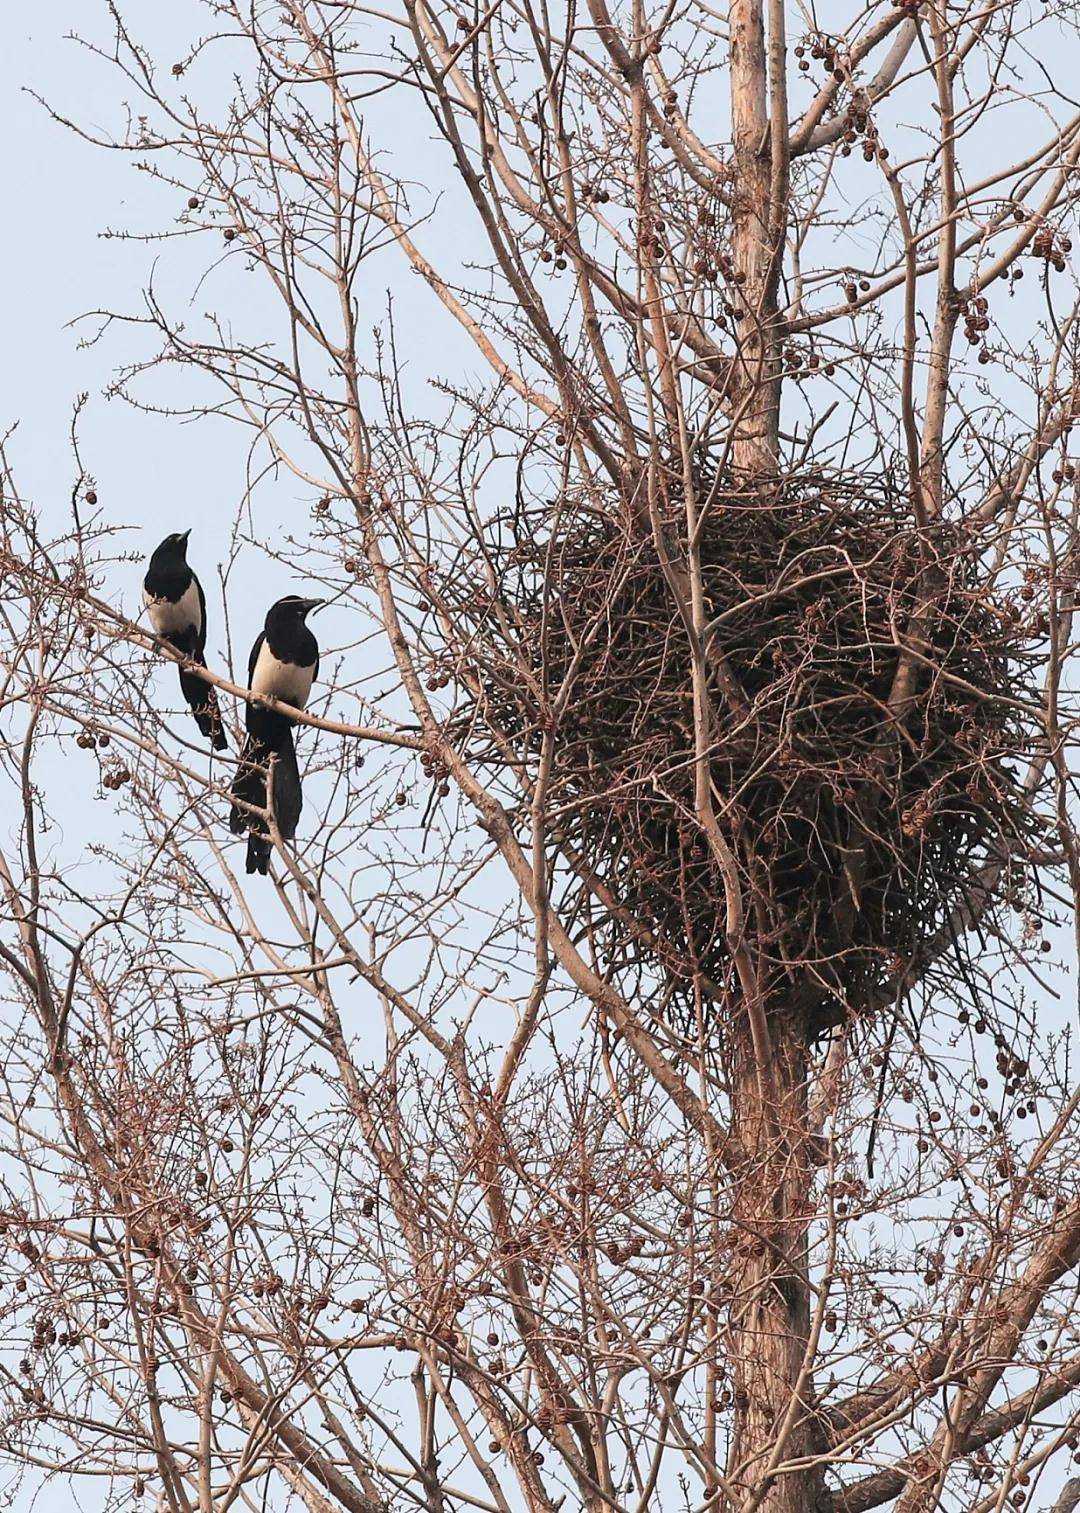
{"points": [[176, 605], [284, 663]]}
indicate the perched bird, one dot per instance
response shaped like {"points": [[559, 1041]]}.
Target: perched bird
{"points": [[176, 605], [284, 663]]}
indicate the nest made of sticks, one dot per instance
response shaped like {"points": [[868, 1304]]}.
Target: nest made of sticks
{"points": [[857, 809]]}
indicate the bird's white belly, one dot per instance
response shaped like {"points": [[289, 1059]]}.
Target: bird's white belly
{"points": [[281, 680], [170, 619]]}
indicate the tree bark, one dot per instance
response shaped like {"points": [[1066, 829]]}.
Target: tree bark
{"points": [[1070, 1496], [760, 188], [769, 1323]]}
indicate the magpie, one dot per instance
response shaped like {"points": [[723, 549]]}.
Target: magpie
{"points": [[283, 664], [176, 605]]}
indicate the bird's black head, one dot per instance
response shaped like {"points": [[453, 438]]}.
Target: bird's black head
{"points": [[174, 547], [292, 610]]}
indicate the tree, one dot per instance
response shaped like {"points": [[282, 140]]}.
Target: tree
{"points": [[727, 612]]}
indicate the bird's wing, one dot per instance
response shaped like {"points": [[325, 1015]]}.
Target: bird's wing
{"points": [[200, 634], [255, 650]]}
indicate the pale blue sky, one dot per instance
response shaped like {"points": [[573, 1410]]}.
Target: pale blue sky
{"points": [[59, 194]]}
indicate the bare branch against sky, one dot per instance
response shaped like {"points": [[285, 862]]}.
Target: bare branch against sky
{"points": [[643, 1079]]}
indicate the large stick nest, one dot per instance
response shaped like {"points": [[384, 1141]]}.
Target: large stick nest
{"points": [[869, 704]]}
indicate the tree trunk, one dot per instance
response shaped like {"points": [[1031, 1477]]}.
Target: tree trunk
{"points": [[759, 215], [769, 1320]]}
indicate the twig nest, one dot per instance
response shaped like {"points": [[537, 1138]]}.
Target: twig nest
{"points": [[868, 701]]}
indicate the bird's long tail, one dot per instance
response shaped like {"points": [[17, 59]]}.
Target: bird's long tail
{"points": [[288, 795], [203, 700], [249, 786], [258, 854]]}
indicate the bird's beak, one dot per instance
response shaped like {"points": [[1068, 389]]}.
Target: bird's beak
{"points": [[185, 534], [310, 604]]}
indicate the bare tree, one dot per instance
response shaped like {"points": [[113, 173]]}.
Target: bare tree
{"points": [[639, 1087]]}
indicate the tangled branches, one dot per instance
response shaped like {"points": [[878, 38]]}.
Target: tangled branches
{"points": [[869, 708]]}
